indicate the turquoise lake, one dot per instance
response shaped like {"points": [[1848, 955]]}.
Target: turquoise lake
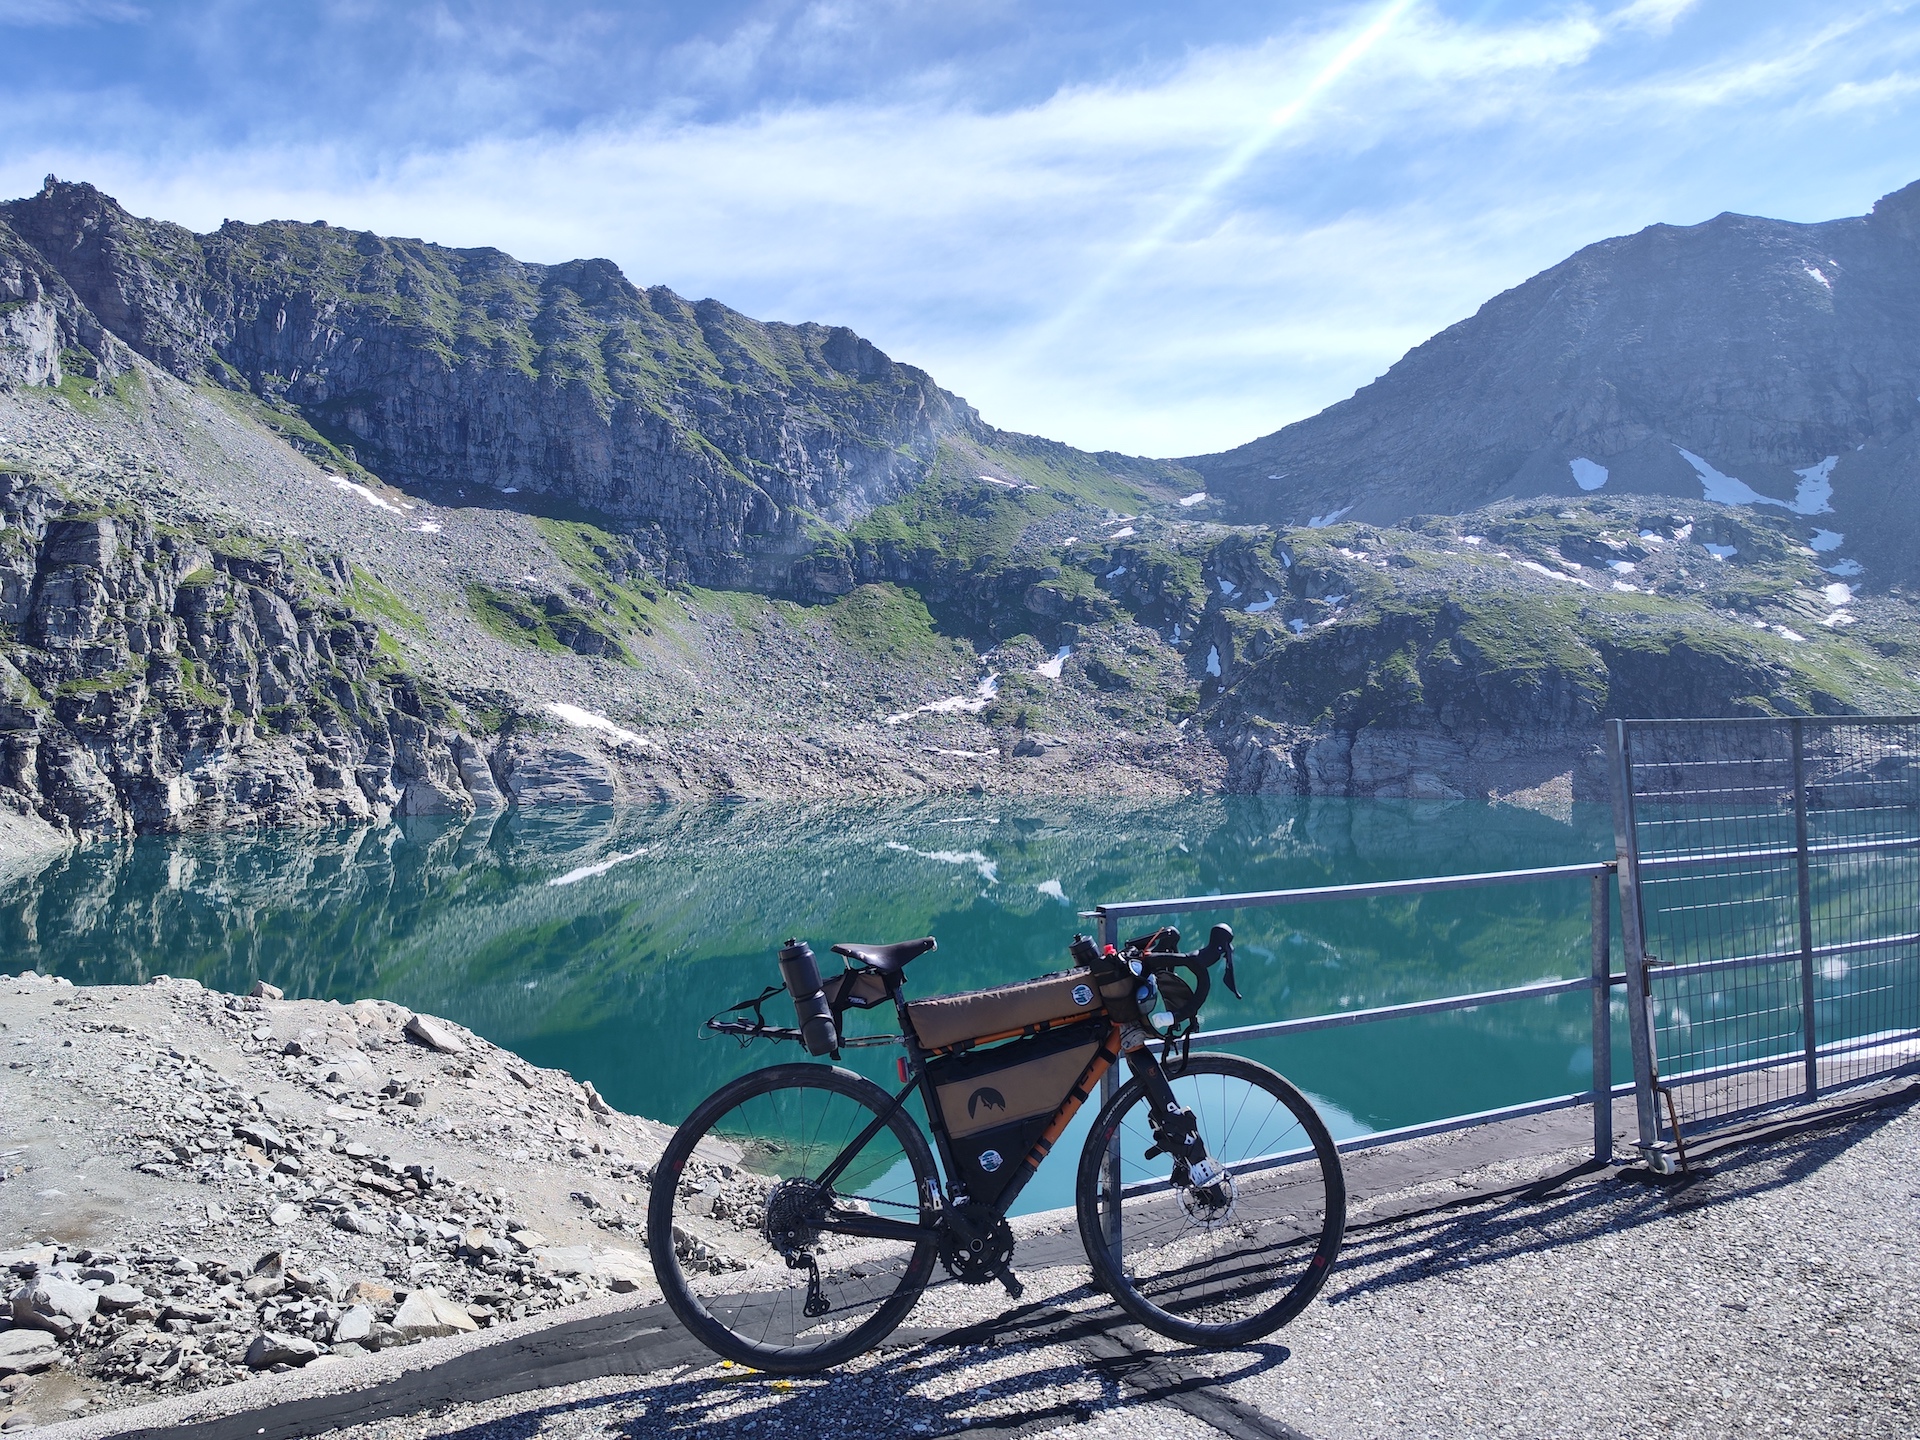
{"points": [[598, 941]]}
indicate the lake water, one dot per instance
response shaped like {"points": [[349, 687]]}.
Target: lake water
{"points": [[598, 941]]}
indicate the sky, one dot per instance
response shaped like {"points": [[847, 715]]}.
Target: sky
{"points": [[1164, 228]]}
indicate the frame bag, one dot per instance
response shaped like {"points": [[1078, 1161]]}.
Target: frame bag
{"points": [[996, 1103]]}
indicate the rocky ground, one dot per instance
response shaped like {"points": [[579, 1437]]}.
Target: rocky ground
{"points": [[1773, 1291], [196, 1187]]}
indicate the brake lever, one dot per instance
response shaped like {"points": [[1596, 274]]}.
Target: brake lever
{"points": [[1220, 945]]}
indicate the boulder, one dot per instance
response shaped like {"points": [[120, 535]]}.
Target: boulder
{"points": [[436, 1035], [283, 1214], [428, 1313], [27, 1352], [262, 990], [273, 1349], [354, 1325], [58, 1306], [113, 1298]]}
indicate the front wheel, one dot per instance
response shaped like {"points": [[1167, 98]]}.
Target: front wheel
{"points": [[758, 1254], [1224, 1264]]}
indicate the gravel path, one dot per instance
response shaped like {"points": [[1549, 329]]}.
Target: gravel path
{"points": [[1775, 1293]]}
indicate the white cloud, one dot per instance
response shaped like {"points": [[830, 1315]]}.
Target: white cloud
{"points": [[1447, 162]]}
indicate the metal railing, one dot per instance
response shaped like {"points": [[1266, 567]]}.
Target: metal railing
{"points": [[1770, 910], [1599, 981]]}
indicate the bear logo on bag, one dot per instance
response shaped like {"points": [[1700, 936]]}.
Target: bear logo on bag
{"points": [[986, 1095]]}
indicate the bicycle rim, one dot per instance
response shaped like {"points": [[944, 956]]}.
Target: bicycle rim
{"points": [[746, 1160], [1214, 1267]]}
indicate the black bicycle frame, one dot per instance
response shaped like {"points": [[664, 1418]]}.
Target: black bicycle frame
{"points": [[879, 1228]]}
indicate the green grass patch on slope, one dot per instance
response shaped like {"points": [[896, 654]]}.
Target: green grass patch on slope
{"points": [[892, 624]]}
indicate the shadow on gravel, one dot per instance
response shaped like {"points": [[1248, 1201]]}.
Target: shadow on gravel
{"points": [[970, 1381], [1546, 1214]]}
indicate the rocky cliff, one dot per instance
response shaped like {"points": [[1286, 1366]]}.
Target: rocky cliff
{"points": [[715, 441], [300, 524], [158, 682], [1742, 360]]}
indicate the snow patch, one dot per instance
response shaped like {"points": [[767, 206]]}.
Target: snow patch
{"points": [[983, 696], [1624, 567], [1116, 572], [1720, 552], [1189, 501], [1321, 522], [1827, 540], [989, 869], [1838, 594], [1227, 587], [1845, 567], [429, 527], [1260, 607], [1539, 569], [1586, 474], [1051, 889], [587, 872], [1213, 661], [1628, 589], [340, 482], [1473, 539], [1787, 634], [1051, 668], [1814, 271], [1121, 534], [511, 490], [1298, 627], [1813, 495], [587, 720]]}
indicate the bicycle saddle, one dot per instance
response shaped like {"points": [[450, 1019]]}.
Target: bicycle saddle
{"points": [[889, 958]]}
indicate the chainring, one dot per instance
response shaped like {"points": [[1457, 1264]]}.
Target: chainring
{"points": [[975, 1245]]}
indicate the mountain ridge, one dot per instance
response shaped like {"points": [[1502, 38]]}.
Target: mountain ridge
{"points": [[1742, 348]]}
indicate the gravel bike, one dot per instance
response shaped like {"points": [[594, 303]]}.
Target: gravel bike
{"points": [[798, 1213]]}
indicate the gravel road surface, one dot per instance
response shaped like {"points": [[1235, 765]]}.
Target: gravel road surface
{"points": [[1775, 1292]]}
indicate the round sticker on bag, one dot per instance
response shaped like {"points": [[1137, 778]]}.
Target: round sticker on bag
{"points": [[990, 1160], [1082, 995]]}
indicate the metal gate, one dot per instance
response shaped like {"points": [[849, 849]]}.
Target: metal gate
{"points": [[1769, 877]]}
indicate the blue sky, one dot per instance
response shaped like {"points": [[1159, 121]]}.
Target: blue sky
{"points": [[1158, 228]]}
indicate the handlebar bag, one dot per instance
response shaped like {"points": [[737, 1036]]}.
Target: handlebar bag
{"points": [[997, 1102], [943, 1020]]}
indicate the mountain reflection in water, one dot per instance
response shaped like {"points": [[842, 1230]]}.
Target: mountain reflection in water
{"points": [[598, 941]]}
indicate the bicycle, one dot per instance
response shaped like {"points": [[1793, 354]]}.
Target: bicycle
{"points": [[797, 1214]]}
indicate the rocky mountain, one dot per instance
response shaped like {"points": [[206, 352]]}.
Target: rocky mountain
{"points": [[715, 441], [1744, 360], [300, 524]]}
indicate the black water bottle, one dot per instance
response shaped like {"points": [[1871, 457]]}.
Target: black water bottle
{"points": [[802, 974]]}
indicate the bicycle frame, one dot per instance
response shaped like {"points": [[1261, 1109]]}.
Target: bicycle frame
{"points": [[879, 1228]]}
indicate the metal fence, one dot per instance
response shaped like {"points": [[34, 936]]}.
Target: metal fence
{"points": [[1599, 982], [1769, 877]]}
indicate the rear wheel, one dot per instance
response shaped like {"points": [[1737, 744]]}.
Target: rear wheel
{"points": [[740, 1227], [1227, 1263]]}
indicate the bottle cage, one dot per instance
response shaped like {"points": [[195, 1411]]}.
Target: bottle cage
{"points": [[856, 989]]}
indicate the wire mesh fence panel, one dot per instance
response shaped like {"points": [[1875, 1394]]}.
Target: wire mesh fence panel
{"points": [[1863, 842], [1778, 867]]}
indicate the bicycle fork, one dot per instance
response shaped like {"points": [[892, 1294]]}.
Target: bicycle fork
{"points": [[1176, 1129]]}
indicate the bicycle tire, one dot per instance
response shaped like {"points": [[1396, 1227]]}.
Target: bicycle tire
{"points": [[720, 1321], [1315, 1173]]}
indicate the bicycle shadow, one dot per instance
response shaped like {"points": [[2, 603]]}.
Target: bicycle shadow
{"points": [[1003, 1377], [1560, 1209]]}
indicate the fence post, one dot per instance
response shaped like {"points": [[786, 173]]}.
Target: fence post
{"points": [[1602, 1024], [1110, 1173], [1804, 881], [1632, 941]]}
